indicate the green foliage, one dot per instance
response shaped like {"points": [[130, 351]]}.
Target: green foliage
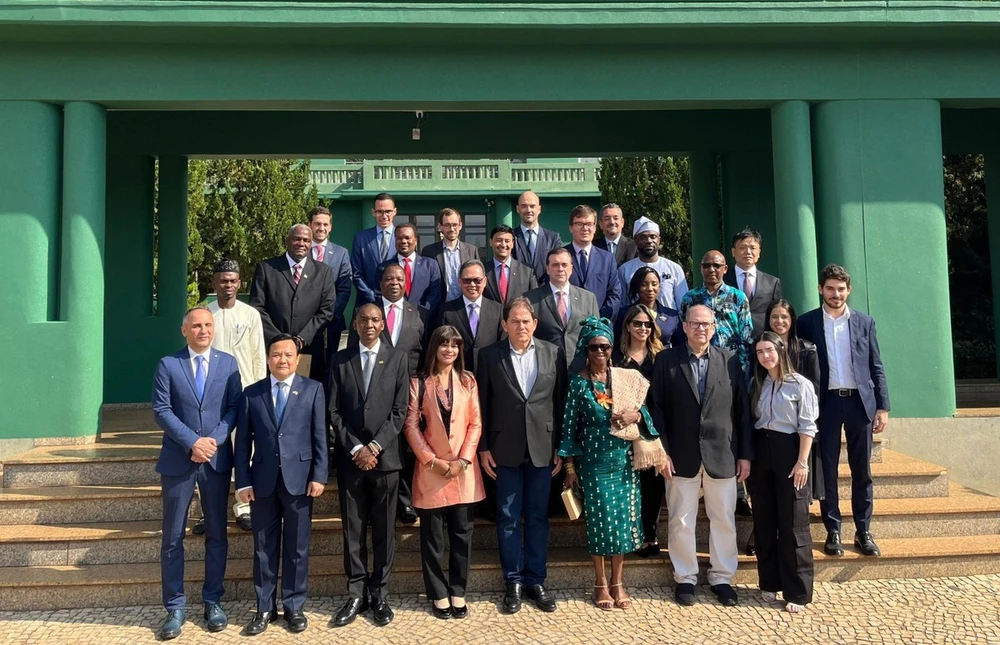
{"points": [[242, 209], [656, 187]]}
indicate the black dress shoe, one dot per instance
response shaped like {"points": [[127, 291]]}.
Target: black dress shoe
{"points": [[726, 595], [684, 594], [296, 620], [648, 551], [543, 599], [172, 625], [214, 617], [408, 515], [512, 599], [751, 547], [382, 613], [743, 508], [350, 611], [243, 521], [258, 624], [442, 613], [866, 544], [460, 612], [833, 545], [199, 527]]}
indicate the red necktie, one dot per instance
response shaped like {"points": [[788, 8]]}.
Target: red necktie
{"points": [[503, 283], [409, 276], [319, 252], [297, 274], [561, 306], [391, 320]]}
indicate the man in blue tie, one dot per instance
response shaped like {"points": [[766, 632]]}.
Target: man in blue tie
{"points": [[195, 393], [372, 247]]}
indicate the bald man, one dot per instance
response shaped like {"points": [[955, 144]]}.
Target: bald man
{"points": [[532, 243]]}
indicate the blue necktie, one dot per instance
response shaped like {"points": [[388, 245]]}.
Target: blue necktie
{"points": [[279, 402], [200, 374], [531, 244], [583, 265], [612, 247]]}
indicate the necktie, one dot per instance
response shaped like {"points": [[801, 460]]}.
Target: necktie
{"points": [[318, 252], [390, 320], [613, 248], [503, 283], [383, 244], [561, 306], [200, 374], [474, 318], [409, 276], [279, 402], [531, 244], [452, 265], [297, 273], [583, 265], [748, 284], [366, 373]]}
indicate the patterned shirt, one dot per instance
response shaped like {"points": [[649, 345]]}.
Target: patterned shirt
{"points": [[733, 325]]}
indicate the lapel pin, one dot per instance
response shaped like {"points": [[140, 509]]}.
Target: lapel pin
{"points": [[381, 362], [295, 392]]}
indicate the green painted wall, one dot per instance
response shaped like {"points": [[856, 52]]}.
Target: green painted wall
{"points": [[748, 200]]}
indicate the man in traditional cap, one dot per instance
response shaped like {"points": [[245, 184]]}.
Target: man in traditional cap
{"points": [[673, 284]]}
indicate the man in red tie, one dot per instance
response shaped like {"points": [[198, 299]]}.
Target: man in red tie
{"points": [[507, 278], [761, 289], [422, 276]]}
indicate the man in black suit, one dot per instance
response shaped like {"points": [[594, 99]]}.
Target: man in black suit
{"points": [[423, 277], [450, 252], [507, 278], [369, 394], [522, 390], [700, 406], [281, 421], [853, 395], [476, 318], [760, 288], [612, 222], [532, 242], [560, 306], [295, 295]]}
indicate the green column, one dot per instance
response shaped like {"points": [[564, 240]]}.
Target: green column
{"points": [[706, 231], [172, 247], [504, 209], [993, 217], [880, 208], [748, 200], [794, 209]]}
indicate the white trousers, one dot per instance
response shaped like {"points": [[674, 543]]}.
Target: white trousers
{"points": [[682, 509]]}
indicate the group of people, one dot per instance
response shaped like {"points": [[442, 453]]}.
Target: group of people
{"points": [[588, 368]]}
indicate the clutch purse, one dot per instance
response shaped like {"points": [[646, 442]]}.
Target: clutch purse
{"points": [[573, 502], [629, 394]]}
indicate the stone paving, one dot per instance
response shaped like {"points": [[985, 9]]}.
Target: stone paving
{"points": [[914, 611]]}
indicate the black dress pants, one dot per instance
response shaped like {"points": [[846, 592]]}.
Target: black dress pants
{"points": [[653, 488], [459, 519], [368, 498]]}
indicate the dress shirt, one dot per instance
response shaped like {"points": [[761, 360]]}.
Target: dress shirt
{"points": [[452, 264], [390, 240], [394, 336], [525, 367], [412, 258], [699, 368], [740, 276], [194, 363], [789, 407], [577, 248], [292, 264], [565, 296], [365, 357], [274, 404], [615, 242], [496, 269], [837, 332]]}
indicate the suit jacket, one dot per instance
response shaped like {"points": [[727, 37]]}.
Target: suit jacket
{"points": [[298, 446], [412, 336], [358, 417], [766, 291], [520, 280], [456, 314], [601, 279], [714, 431], [336, 257], [517, 424], [625, 251], [459, 440], [865, 358], [185, 419], [435, 251], [550, 326], [302, 310], [365, 262], [425, 286], [545, 242]]}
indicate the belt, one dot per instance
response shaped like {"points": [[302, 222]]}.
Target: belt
{"points": [[844, 392]]}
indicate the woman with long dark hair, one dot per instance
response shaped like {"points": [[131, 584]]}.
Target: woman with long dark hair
{"points": [[644, 289]]}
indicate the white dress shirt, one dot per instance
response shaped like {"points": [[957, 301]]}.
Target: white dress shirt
{"points": [[194, 364], [365, 357], [837, 332], [386, 305], [565, 296], [292, 264], [525, 367], [741, 276], [479, 309]]}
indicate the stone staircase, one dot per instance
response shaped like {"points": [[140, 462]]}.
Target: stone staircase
{"points": [[79, 527]]}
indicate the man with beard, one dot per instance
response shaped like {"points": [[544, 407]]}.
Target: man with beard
{"points": [[612, 221], [506, 278], [673, 284]]}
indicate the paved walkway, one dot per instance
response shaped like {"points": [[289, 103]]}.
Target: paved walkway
{"points": [[941, 610]]}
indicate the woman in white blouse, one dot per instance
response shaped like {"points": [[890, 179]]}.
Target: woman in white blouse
{"points": [[785, 409]]}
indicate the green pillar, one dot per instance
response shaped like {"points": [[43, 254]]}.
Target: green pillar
{"points": [[706, 232], [993, 217], [794, 209], [748, 200], [880, 207], [172, 248], [504, 211]]}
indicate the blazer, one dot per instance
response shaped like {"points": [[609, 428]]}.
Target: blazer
{"points": [[517, 424], [550, 325], [459, 440], [425, 287], [766, 291], [714, 431], [455, 313], [865, 358], [625, 251], [184, 418], [298, 446], [435, 251], [359, 418], [412, 336], [545, 242], [601, 279], [365, 262], [302, 310], [336, 257], [520, 280]]}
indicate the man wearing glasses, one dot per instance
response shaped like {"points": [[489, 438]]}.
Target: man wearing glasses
{"points": [[612, 221], [476, 318], [372, 247], [450, 252], [593, 269], [761, 289]]}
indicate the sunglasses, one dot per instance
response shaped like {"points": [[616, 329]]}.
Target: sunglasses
{"points": [[472, 280], [711, 265], [639, 324], [599, 347]]}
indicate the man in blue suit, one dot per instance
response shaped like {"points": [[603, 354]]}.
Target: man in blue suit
{"points": [[281, 422], [422, 276], [335, 257], [853, 395], [532, 243], [372, 247], [594, 269], [195, 393]]}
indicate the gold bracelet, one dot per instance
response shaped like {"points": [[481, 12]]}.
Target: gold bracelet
{"points": [[570, 468]]}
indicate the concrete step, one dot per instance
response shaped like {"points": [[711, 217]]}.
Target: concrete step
{"points": [[95, 464], [899, 476]]}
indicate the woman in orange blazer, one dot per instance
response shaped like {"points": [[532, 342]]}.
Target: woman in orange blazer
{"points": [[443, 427]]}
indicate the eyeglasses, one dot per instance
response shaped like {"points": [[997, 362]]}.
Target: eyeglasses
{"points": [[639, 324], [700, 325], [712, 265], [599, 347], [385, 212], [449, 226], [585, 225], [472, 280]]}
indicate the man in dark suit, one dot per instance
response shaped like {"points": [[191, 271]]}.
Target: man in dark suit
{"points": [[476, 318], [559, 315], [369, 394], [532, 242], [281, 422], [700, 406], [507, 278], [450, 252], [522, 390], [612, 222], [853, 395], [593, 269], [295, 295], [760, 288], [373, 246], [422, 275], [336, 257], [195, 393]]}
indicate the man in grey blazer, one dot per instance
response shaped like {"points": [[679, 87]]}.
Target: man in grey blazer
{"points": [[450, 252], [560, 306], [614, 242], [506, 278], [761, 289]]}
